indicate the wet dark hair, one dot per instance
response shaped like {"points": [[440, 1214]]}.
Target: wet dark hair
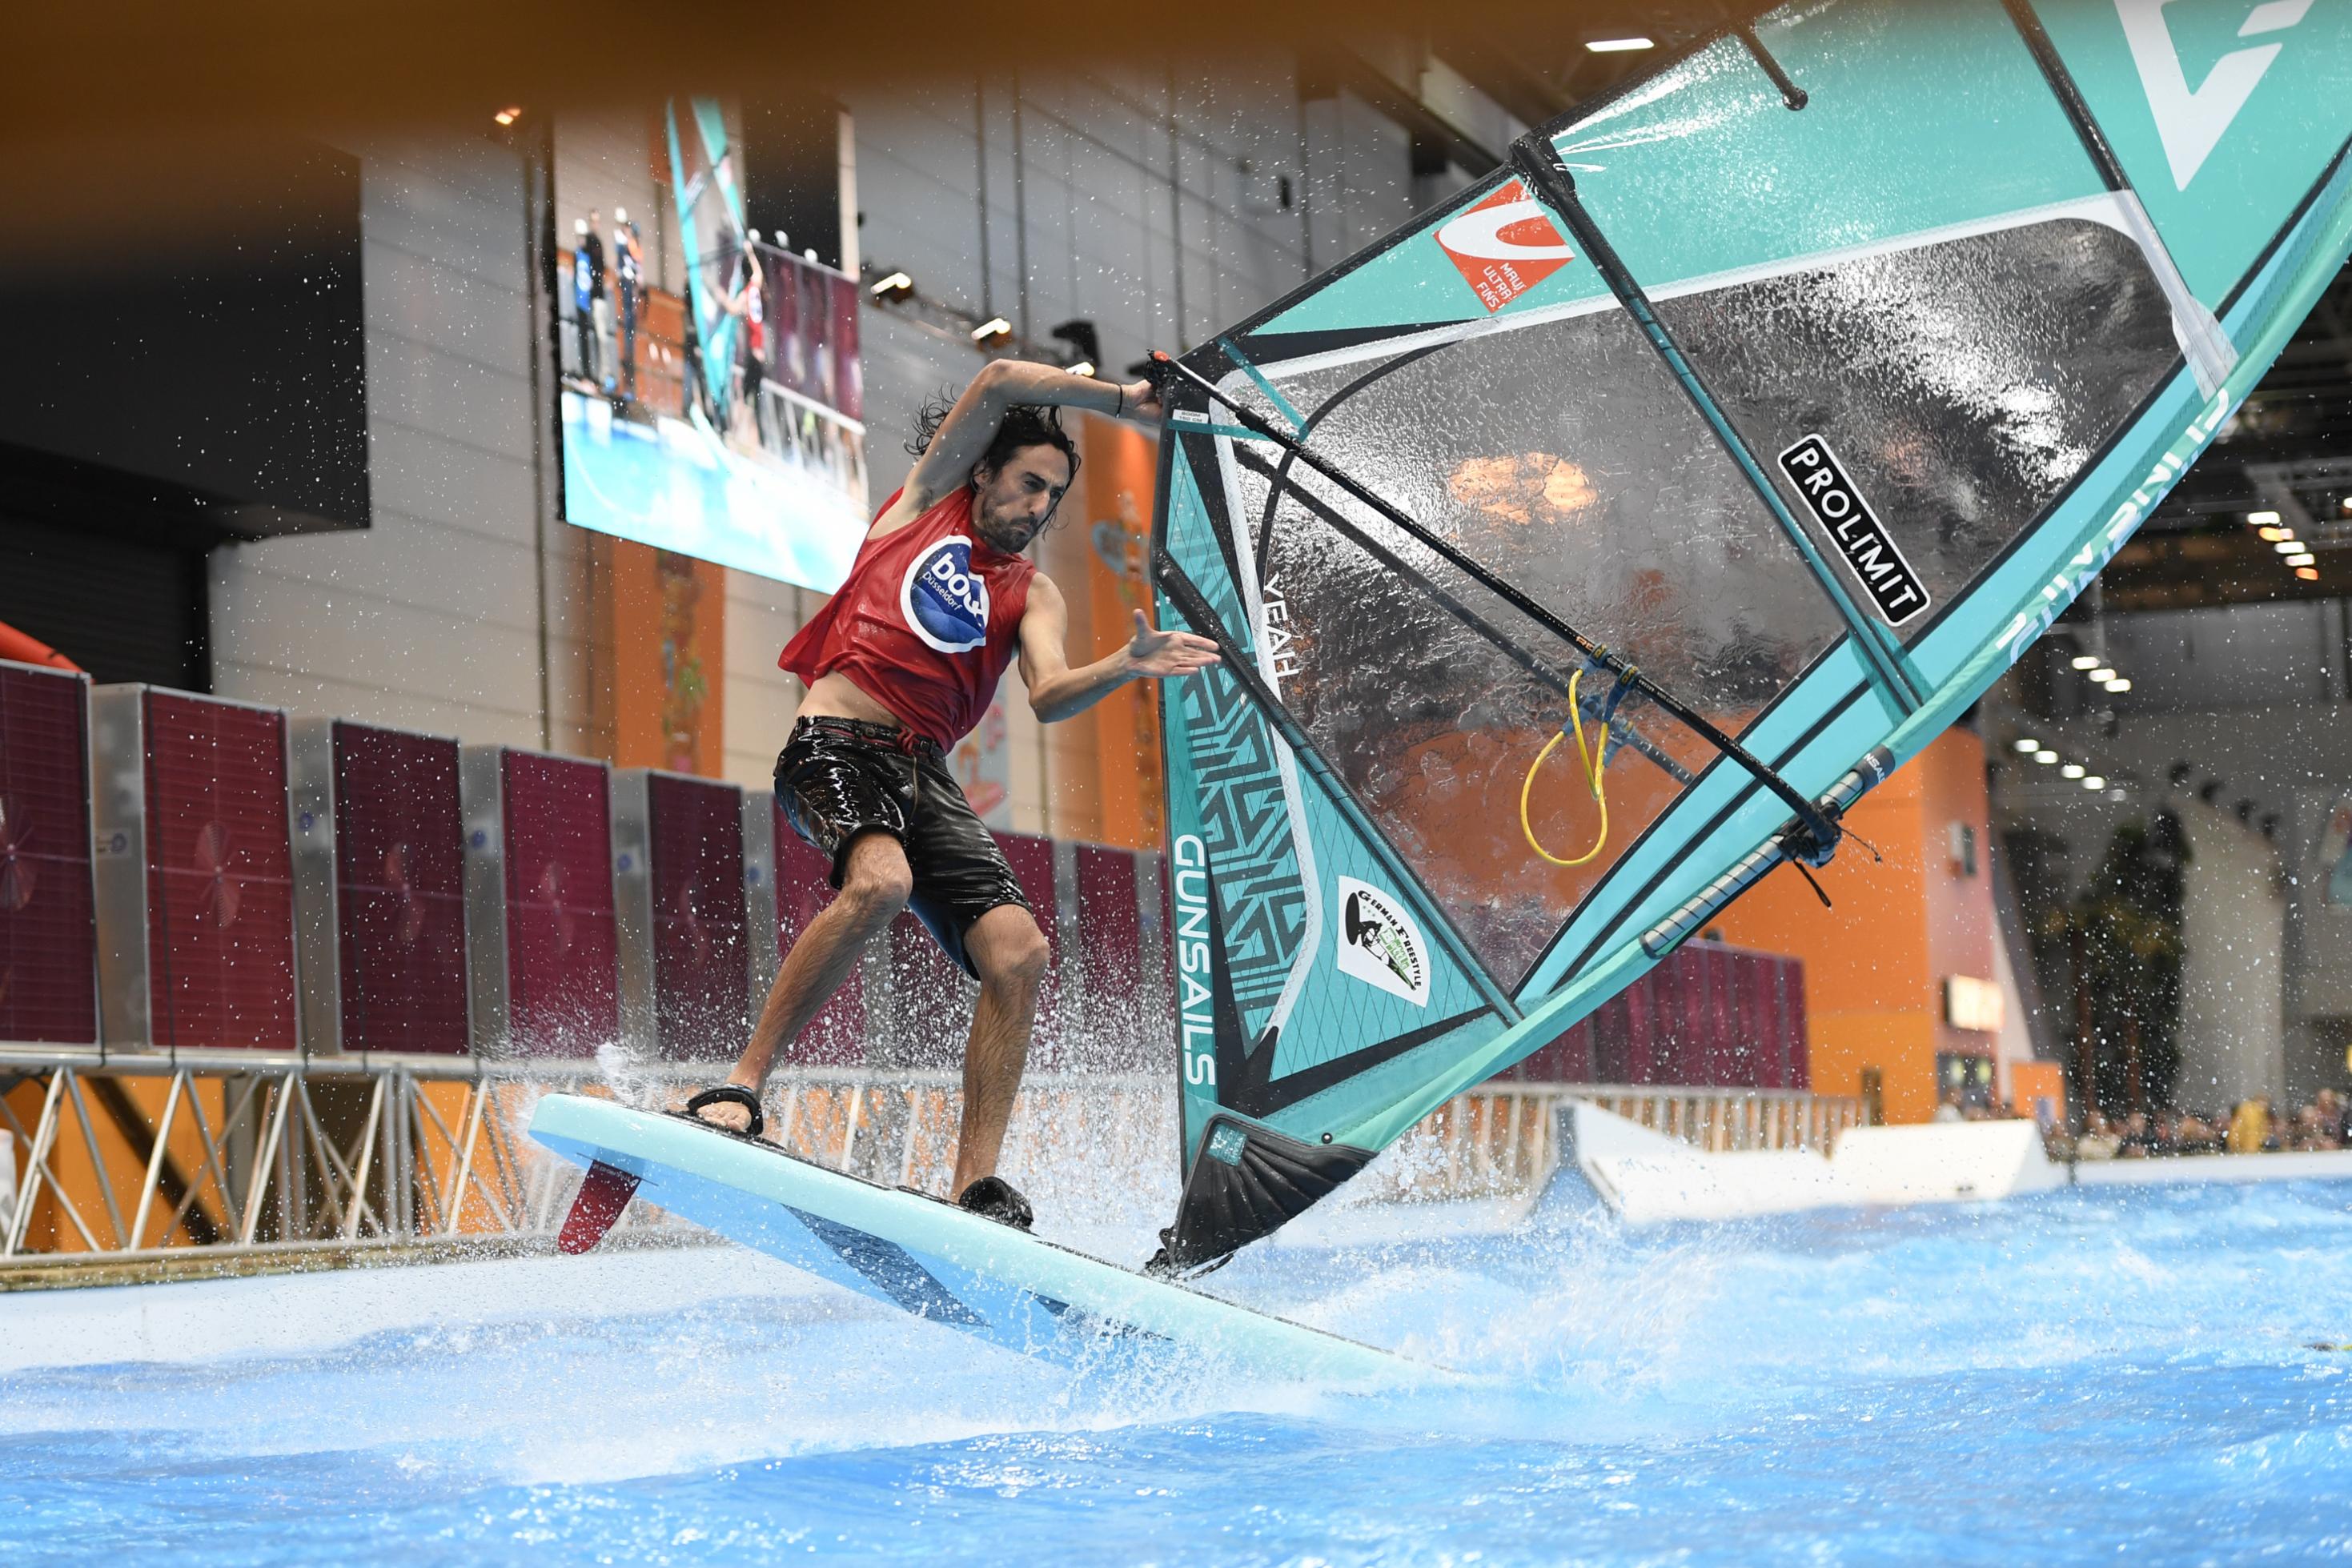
{"points": [[1025, 425]]}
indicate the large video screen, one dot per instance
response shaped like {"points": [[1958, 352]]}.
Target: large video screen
{"points": [[710, 397]]}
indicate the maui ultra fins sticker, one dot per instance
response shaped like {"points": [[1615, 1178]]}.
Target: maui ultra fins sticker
{"points": [[1860, 536], [1504, 245], [1380, 945]]}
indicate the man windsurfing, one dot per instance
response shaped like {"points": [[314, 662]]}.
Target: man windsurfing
{"points": [[900, 664]]}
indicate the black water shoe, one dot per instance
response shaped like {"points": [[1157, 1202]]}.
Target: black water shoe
{"points": [[993, 1198]]}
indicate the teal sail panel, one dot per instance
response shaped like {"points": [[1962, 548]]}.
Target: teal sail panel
{"points": [[709, 211], [1811, 376]]}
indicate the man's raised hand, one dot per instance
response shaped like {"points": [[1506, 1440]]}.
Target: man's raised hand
{"points": [[1162, 654], [1141, 399]]}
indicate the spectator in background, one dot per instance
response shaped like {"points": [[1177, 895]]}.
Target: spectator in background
{"points": [[2192, 1135], [2315, 1129], [2338, 1115], [2099, 1141], [628, 283], [587, 284], [600, 302], [2250, 1126], [2136, 1138]]}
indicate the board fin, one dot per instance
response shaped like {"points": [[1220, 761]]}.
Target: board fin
{"points": [[604, 1192]]}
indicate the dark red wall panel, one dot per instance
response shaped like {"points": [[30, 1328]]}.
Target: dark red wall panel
{"points": [[564, 987], [48, 941], [1118, 1013], [1709, 1016], [836, 1036], [702, 985], [220, 888], [400, 891], [1031, 858]]}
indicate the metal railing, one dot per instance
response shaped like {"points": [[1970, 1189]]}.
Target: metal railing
{"points": [[132, 1159], [1506, 1140], [245, 1153]]}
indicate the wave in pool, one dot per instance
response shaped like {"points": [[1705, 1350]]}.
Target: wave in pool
{"points": [[2054, 1379]]}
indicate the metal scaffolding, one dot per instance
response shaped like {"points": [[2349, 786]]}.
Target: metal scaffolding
{"points": [[245, 1155]]}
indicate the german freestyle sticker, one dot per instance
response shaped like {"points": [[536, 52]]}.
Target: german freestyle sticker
{"points": [[1860, 536]]}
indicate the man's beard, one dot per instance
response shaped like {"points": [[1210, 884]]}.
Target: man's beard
{"points": [[1005, 539]]}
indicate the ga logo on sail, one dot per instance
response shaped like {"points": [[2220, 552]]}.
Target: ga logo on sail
{"points": [[1380, 945]]}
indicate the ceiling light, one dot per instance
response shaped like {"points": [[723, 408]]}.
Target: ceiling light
{"points": [[2272, 536], [2308, 573], [2045, 756], [2260, 517], [2071, 770], [2305, 559], [2028, 745], [995, 329], [1082, 368], [895, 287], [2120, 683], [2289, 546], [2103, 674], [2348, 503], [1617, 46], [2087, 661], [508, 116], [2114, 795], [2095, 782]]}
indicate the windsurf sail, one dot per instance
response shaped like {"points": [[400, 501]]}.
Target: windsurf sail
{"points": [[1746, 427], [710, 231]]}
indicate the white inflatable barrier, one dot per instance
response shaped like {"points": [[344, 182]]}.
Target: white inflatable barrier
{"points": [[1645, 1176]]}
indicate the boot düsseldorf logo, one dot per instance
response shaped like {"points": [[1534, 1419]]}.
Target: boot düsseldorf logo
{"points": [[945, 601]]}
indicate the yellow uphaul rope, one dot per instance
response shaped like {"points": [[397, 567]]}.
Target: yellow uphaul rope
{"points": [[1589, 765]]}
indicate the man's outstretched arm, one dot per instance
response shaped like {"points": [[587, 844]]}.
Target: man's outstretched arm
{"points": [[1058, 691], [963, 436]]}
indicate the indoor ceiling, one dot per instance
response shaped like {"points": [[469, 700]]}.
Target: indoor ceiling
{"points": [[142, 119], [2288, 452]]}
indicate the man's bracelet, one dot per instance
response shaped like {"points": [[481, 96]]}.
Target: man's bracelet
{"points": [[1120, 413]]}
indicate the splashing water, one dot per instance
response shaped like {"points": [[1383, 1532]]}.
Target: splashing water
{"points": [[2074, 1376]]}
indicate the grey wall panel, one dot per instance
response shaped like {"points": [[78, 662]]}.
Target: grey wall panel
{"points": [[310, 790], [481, 778], [119, 847], [632, 909], [759, 893]]}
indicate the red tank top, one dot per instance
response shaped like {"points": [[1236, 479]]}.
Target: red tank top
{"points": [[926, 623]]}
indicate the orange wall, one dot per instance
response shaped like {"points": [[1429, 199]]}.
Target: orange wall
{"points": [[657, 657], [2033, 1081], [50, 1230], [70, 1163], [1107, 784], [1876, 960]]}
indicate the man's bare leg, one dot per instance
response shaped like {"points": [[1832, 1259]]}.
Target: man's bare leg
{"points": [[875, 885], [1010, 953]]}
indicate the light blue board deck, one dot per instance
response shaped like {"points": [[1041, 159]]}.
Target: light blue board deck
{"points": [[940, 1263]]}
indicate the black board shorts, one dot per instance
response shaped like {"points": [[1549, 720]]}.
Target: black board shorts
{"points": [[838, 777]]}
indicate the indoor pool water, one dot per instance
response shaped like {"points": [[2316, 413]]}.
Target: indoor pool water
{"points": [[2083, 1376]]}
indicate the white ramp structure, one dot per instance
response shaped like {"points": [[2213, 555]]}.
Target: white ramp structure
{"points": [[1648, 1177]]}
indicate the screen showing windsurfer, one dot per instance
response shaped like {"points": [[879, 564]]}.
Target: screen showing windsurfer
{"points": [[900, 664]]}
